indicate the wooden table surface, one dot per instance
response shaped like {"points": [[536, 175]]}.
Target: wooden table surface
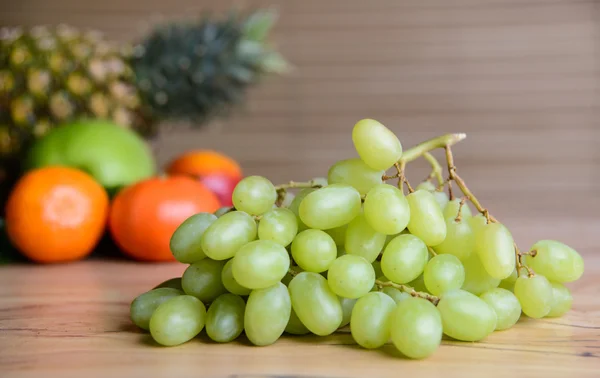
{"points": [[72, 321]]}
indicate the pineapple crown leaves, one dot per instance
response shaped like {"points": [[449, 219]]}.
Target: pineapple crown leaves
{"points": [[198, 70]]}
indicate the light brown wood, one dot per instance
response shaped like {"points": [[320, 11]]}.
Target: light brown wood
{"points": [[72, 321], [520, 77]]}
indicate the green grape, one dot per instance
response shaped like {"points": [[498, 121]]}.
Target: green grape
{"points": [[260, 264], [443, 273], [506, 306], [338, 234], [356, 173], [556, 261], [465, 316], [295, 326], [226, 235], [561, 300], [347, 306], [145, 304], [203, 280], [314, 250], [426, 218], [267, 314], [254, 195], [295, 206], [459, 241], [225, 318], [495, 247], [534, 295], [370, 324], [476, 222], [185, 242], [451, 210], [441, 198], [426, 185], [418, 284], [386, 209], [416, 328], [278, 225], [230, 283], [509, 282], [363, 240], [377, 268], [404, 259], [330, 207], [174, 283], [222, 211], [397, 295], [288, 198], [351, 276], [317, 307], [477, 280], [376, 145], [177, 320]]}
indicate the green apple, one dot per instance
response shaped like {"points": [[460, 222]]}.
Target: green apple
{"points": [[115, 156]]}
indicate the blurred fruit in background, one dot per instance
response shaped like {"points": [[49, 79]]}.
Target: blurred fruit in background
{"points": [[192, 70], [114, 156], [216, 171], [144, 215], [56, 214]]}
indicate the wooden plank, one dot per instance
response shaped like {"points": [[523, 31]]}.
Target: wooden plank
{"points": [[520, 77], [72, 320]]}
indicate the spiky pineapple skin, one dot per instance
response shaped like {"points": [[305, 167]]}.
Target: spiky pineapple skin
{"points": [[51, 76], [201, 69]]}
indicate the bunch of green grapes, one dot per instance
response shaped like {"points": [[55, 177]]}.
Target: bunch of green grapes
{"points": [[352, 251]]}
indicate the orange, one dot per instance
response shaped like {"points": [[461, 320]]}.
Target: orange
{"points": [[56, 214], [199, 163], [144, 216]]}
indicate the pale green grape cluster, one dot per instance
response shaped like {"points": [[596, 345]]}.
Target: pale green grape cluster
{"points": [[353, 252]]}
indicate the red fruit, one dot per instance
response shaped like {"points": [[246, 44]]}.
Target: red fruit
{"points": [[222, 186], [144, 216], [215, 170]]}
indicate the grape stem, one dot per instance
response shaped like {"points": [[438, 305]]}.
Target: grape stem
{"points": [[409, 290], [295, 184], [436, 168], [432, 251], [282, 189], [463, 186], [386, 178], [400, 168], [520, 264], [460, 206], [410, 189], [420, 149]]}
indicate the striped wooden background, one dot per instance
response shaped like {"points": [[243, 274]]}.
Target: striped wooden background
{"points": [[520, 77]]}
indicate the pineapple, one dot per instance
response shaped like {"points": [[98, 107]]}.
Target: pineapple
{"points": [[50, 76], [191, 71], [195, 71]]}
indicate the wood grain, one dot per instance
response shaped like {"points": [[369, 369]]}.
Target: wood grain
{"points": [[72, 321], [520, 77]]}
